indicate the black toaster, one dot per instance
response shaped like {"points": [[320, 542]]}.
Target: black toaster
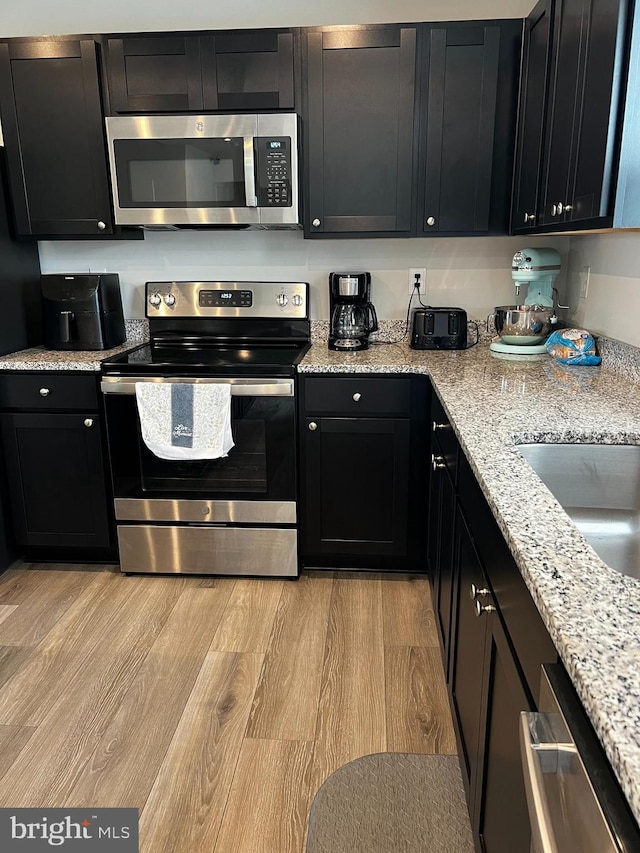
{"points": [[439, 328]]}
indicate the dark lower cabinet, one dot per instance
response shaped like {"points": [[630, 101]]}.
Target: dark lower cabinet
{"points": [[57, 468], [501, 803], [362, 476], [54, 136]]}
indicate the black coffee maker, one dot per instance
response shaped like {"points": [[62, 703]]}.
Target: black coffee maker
{"points": [[82, 311], [353, 317]]}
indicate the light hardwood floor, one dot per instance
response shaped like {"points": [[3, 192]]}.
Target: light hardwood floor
{"points": [[216, 706]]}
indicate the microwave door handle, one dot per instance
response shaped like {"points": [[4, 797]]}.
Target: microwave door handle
{"points": [[250, 172]]}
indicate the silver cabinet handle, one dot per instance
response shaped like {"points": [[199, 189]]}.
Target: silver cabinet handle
{"points": [[560, 208], [529, 217], [88, 422], [44, 392], [483, 608], [313, 426], [474, 592], [357, 396], [431, 221], [101, 225], [435, 425], [554, 209], [437, 462], [316, 223]]}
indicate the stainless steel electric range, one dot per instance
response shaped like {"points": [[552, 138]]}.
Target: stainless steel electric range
{"points": [[234, 515]]}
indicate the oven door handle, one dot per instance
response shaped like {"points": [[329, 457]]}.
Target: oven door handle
{"points": [[239, 387]]}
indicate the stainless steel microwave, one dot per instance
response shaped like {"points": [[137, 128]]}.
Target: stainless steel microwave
{"points": [[205, 170]]}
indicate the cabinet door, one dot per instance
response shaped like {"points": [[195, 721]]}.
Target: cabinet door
{"points": [[359, 136], [356, 475], [55, 468], [536, 57], [501, 800], [468, 653], [154, 73], [53, 131], [469, 112], [248, 70], [596, 128]]}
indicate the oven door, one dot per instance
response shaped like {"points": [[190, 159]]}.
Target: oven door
{"points": [[183, 170], [235, 515]]}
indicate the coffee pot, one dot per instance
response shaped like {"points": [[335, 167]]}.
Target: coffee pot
{"points": [[353, 317]]}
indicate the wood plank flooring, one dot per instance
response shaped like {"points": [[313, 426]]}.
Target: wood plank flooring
{"points": [[217, 707]]}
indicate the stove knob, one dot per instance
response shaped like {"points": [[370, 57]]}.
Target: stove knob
{"points": [[169, 299], [155, 300], [282, 299], [297, 300]]}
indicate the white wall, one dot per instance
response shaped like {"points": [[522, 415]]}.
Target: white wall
{"points": [[613, 301], [473, 273], [50, 17]]}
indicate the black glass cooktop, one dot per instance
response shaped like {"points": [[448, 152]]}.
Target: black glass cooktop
{"points": [[251, 360]]}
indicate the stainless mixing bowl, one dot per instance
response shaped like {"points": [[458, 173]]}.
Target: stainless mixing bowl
{"points": [[524, 325]]}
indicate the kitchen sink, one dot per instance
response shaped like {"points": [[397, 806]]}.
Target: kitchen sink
{"points": [[598, 486]]}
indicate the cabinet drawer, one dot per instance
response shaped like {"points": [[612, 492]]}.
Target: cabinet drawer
{"points": [[356, 395], [47, 391]]}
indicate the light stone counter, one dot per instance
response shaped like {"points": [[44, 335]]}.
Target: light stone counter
{"points": [[39, 358], [591, 611]]}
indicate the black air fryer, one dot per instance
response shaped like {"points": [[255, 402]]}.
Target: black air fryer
{"points": [[82, 312]]}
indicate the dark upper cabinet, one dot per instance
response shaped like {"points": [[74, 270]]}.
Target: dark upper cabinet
{"points": [[576, 165], [580, 145], [360, 122], [536, 55], [53, 130], [409, 129], [468, 109], [232, 70]]}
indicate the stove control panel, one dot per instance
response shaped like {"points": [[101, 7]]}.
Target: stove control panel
{"points": [[227, 299]]}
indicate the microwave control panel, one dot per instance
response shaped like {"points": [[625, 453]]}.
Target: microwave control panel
{"points": [[273, 165]]}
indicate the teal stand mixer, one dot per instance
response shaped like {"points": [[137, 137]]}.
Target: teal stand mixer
{"points": [[524, 328]]}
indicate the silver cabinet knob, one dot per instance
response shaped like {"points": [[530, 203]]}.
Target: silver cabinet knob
{"points": [[155, 299], [529, 217], [357, 396], [554, 209], [88, 422], [316, 223], [169, 299], [101, 225], [437, 462], [560, 208], [474, 592], [435, 425], [483, 608], [568, 207], [313, 426], [431, 220], [44, 392]]}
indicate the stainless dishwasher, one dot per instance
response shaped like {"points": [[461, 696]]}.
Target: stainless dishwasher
{"points": [[575, 802]]}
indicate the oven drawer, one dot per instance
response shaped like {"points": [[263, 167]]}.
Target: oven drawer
{"points": [[200, 550], [48, 391], [357, 395]]}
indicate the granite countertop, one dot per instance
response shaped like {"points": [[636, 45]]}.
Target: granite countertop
{"points": [[39, 358], [591, 611]]}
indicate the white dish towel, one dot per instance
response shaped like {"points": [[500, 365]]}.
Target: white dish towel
{"points": [[181, 420]]}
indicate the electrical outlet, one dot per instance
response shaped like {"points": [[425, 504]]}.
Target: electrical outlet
{"points": [[585, 276], [422, 272]]}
